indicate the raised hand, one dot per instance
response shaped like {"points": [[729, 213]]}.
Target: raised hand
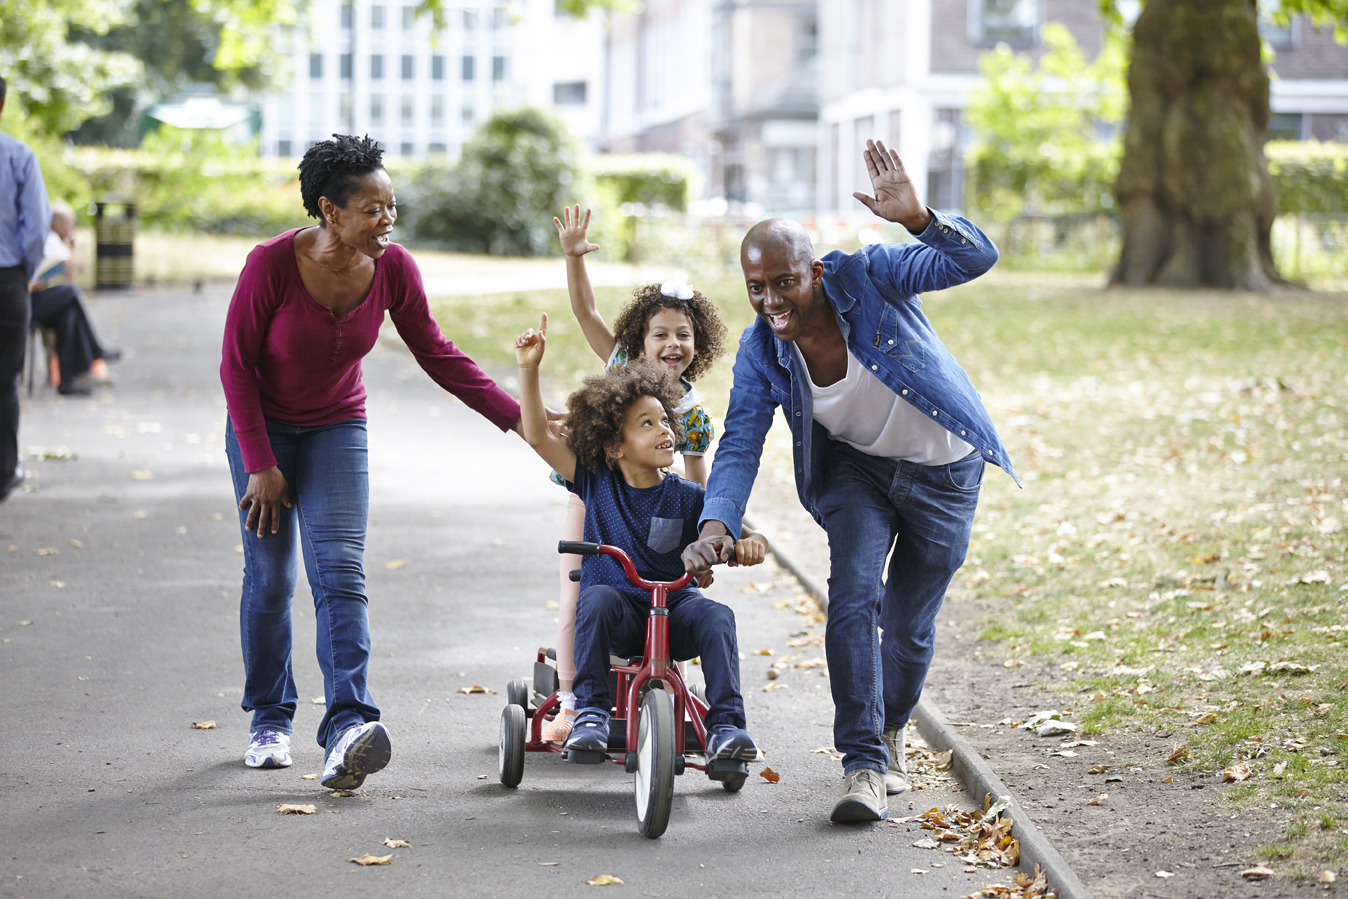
{"points": [[529, 346], [895, 195], [572, 233]]}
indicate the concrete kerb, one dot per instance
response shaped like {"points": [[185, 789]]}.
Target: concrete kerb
{"points": [[973, 772]]}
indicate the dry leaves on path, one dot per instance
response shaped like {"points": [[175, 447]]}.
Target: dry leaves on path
{"points": [[286, 808], [203, 725], [1099, 769], [395, 564], [1098, 799], [603, 880], [475, 688], [981, 837], [1237, 773], [1026, 886], [367, 859], [397, 844], [1258, 872], [1178, 753], [769, 775]]}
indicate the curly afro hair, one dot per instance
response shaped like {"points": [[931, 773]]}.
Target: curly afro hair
{"points": [[333, 169], [708, 332], [599, 409]]}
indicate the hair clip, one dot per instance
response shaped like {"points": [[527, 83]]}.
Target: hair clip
{"points": [[676, 290]]}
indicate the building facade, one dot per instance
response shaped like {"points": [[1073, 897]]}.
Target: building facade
{"points": [[376, 67]]}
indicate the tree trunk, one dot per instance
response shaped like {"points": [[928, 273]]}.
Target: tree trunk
{"points": [[1195, 197]]}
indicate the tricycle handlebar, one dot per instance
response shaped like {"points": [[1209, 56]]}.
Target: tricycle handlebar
{"points": [[580, 548]]}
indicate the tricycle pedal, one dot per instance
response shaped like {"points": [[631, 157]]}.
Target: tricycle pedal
{"points": [[584, 756], [724, 769]]}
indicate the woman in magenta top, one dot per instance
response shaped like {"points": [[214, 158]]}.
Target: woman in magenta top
{"points": [[306, 310]]}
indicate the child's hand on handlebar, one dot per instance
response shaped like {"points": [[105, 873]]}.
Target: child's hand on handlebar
{"points": [[752, 550], [529, 345]]}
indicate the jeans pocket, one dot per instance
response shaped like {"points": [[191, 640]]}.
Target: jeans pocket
{"points": [[966, 475], [665, 534]]}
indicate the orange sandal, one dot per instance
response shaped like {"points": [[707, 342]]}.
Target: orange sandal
{"points": [[559, 728]]}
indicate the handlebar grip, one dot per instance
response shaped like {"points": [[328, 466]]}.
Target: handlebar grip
{"points": [[573, 576], [577, 547]]}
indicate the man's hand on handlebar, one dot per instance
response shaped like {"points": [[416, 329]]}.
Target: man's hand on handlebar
{"points": [[708, 550]]}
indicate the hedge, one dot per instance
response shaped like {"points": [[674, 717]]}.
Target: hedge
{"points": [[1311, 177]]}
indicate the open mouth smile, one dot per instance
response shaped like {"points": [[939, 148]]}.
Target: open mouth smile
{"points": [[672, 360], [779, 320], [383, 239]]}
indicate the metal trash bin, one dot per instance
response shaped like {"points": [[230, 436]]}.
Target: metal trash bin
{"points": [[115, 236]]}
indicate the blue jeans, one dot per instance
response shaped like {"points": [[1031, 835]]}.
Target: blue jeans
{"points": [[610, 622], [327, 470], [925, 515]]}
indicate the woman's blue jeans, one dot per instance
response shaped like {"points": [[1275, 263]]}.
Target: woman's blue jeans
{"points": [[925, 515], [327, 470]]}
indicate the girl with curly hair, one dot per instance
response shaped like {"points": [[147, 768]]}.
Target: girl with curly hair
{"points": [[670, 324], [624, 431], [306, 310]]}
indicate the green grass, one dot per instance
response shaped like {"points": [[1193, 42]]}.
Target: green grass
{"points": [[1183, 512]]}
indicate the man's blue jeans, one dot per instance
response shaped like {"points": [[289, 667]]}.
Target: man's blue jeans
{"points": [[327, 471], [925, 514], [610, 622]]}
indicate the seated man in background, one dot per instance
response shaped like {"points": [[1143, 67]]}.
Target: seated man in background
{"points": [[80, 362]]}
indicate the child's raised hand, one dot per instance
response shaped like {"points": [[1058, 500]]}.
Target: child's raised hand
{"points": [[529, 345], [572, 233]]}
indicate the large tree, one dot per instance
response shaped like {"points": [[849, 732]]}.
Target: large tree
{"points": [[1195, 197]]}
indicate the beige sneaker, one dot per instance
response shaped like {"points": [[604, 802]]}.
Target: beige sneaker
{"points": [[863, 798], [896, 780], [559, 728]]}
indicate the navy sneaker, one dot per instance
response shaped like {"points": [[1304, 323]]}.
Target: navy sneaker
{"points": [[589, 733], [726, 741]]}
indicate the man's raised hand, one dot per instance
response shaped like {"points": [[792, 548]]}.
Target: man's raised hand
{"points": [[895, 196], [529, 346], [572, 232]]}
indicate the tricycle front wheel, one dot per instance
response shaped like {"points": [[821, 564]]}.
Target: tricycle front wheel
{"points": [[510, 759], [654, 781]]}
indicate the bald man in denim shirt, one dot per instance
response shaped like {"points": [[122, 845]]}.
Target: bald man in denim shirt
{"points": [[25, 219], [890, 440]]}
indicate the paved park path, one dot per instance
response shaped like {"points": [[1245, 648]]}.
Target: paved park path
{"points": [[119, 584]]}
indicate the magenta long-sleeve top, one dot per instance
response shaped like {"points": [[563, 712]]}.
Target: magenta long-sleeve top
{"points": [[288, 358]]}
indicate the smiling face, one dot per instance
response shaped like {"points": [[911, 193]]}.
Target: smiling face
{"points": [[647, 439], [670, 340], [366, 223], [784, 287]]}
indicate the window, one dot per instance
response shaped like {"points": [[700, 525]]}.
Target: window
{"points": [[376, 109], [466, 116], [316, 109], [344, 109], [283, 148], [1278, 36], [344, 64], [467, 68], [376, 18], [498, 68], [409, 66], [316, 66], [499, 20], [1284, 126], [894, 123], [409, 18], [407, 109], [437, 68], [376, 66], [1012, 21], [568, 93], [348, 16], [469, 20], [437, 110], [405, 148], [435, 148]]}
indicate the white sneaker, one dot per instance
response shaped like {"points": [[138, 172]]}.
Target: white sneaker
{"points": [[267, 748], [896, 780], [358, 752]]}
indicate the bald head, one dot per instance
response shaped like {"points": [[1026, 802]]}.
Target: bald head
{"points": [[777, 235], [62, 219]]}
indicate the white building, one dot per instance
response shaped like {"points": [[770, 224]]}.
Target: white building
{"points": [[375, 67]]}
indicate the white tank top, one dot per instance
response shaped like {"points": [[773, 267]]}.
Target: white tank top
{"points": [[861, 411]]}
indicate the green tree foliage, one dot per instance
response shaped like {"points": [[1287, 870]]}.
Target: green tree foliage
{"points": [[1046, 135], [515, 174]]}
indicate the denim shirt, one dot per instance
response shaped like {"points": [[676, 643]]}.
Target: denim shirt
{"points": [[873, 292]]}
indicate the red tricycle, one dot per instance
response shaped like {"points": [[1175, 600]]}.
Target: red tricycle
{"points": [[656, 730]]}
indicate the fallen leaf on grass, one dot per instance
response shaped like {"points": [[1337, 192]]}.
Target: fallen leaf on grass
{"points": [[395, 564], [1209, 718], [367, 859], [1279, 768], [769, 775], [1099, 769], [203, 725], [475, 688], [1258, 872], [1098, 799], [397, 844], [1328, 877], [1240, 772], [1179, 753], [286, 808], [603, 880]]}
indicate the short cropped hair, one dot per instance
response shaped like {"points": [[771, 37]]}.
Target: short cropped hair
{"points": [[708, 332], [599, 409], [333, 169]]}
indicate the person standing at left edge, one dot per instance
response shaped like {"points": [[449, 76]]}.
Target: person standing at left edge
{"points": [[890, 440], [25, 219], [306, 310]]}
